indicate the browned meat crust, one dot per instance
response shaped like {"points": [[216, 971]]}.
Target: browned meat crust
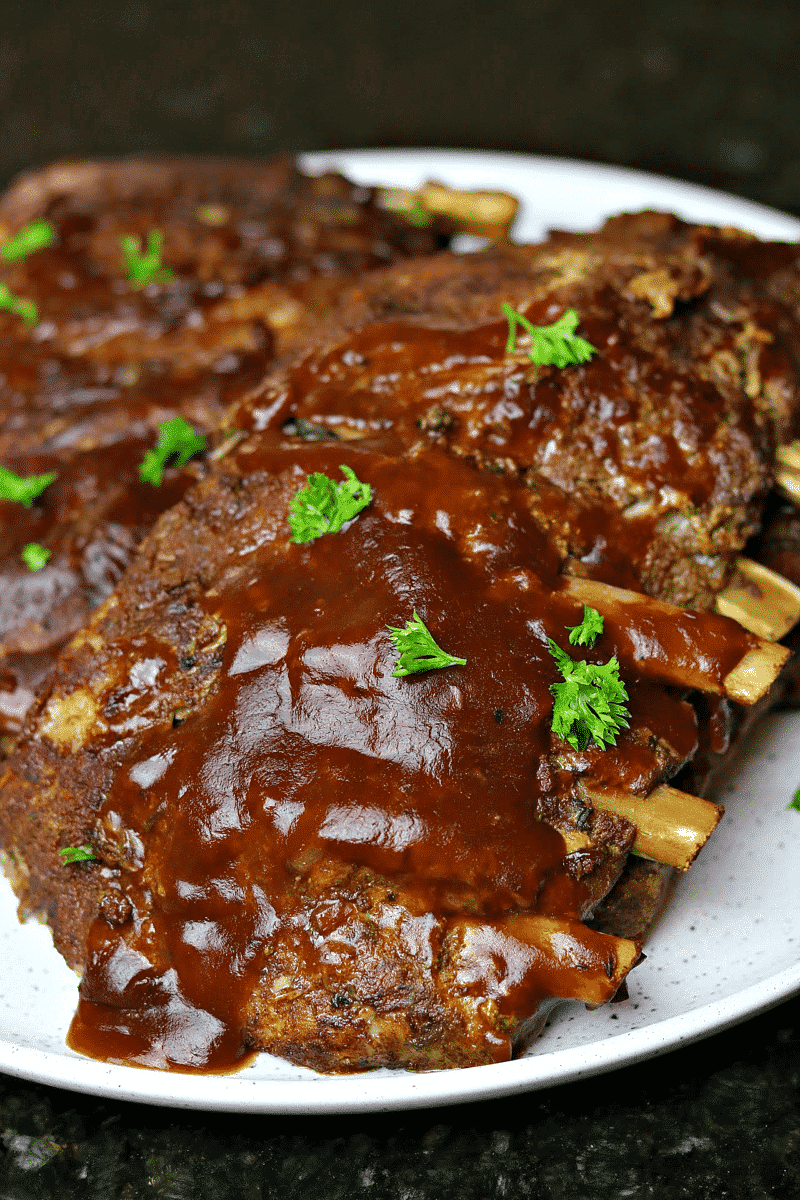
{"points": [[259, 252], [632, 905], [778, 545]]}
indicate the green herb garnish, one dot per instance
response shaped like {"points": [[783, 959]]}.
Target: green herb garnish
{"points": [[37, 235], [589, 630], [20, 307], [177, 439], [553, 345], [420, 216], [77, 854], [418, 651], [323, 506], [35, 557], [23, 488], [795, 801], [145, 266], [590, 703]]}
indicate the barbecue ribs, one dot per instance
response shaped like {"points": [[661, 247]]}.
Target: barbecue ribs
{"points": [[296, 850]]}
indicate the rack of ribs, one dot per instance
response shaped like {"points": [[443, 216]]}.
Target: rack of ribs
{"points": [[293, 848]]}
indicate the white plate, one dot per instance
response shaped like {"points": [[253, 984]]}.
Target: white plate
{"points": [[724, 949]]}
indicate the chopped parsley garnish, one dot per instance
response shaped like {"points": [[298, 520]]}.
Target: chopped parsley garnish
{"points": [[420, 216], [795, 801], [37, 235], [323, 506], [145, 266], [590, 703], [589, 630], [554, 345], [23, 488], [77, 854], [20, 307], [418, 651], [177, 439], [35, 557]]}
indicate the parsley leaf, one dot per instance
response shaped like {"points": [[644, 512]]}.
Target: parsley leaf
{"points": [[589, 630], [795, 801], [35, 557], [590, 703], [420, 216], [23, 488], [144, 266], [37, 235], [20, 307], [323, 506], [418, 651], [553, 345], [77, 854], [175, 437]]}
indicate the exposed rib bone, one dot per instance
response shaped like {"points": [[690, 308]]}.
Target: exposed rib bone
{"points": [[761, 600], [789, 455], [788, 480], [667, 643], [671, 826], [789, 483], [755, 674], [787, 471], [488, 214]]}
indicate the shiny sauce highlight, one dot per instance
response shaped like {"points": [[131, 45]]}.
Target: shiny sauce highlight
{"points": [[308, 749]]}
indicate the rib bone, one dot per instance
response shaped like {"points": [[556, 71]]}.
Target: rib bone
{"points": [[761, 600], [581, 964], [668, 640], [787, 473], [671, 826], [487, 214]]}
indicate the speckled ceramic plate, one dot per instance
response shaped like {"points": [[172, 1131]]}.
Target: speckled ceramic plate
{"points": [[725, 947]]}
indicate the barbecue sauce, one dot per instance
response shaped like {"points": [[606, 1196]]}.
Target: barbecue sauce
{"points": [[309, 751], [83, 392], [638, 442]]}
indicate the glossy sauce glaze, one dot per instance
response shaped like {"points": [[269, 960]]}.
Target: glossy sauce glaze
{"points": [[635, 433], [83, 391], [592, 424], [92, 520], [307, 751], [93, 427]]}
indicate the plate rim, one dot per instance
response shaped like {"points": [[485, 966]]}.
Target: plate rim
{"points": [[316, 161], [324, 1095], [311, 1097]]}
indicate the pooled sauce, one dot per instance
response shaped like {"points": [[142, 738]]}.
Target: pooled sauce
{"points": [[308, 749]]}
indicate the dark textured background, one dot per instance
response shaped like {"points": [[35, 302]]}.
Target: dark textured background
{"points": [[720, 1121], [707, 92]]}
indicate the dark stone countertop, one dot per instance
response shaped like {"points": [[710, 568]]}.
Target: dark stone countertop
{"points": [[716, 1121], [706, 92]]}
